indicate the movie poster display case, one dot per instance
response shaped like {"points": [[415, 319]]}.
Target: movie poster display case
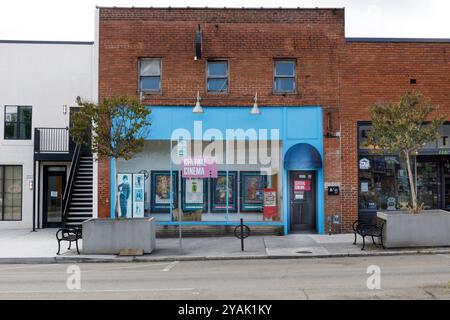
{"points": [[160, 191]]}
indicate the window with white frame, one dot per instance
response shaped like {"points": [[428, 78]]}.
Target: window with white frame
{"points": [[217, 76], [150, 75], [284, 76]]}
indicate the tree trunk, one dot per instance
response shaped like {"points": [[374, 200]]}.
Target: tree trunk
{"points": [[412, 184], [116, 200]]}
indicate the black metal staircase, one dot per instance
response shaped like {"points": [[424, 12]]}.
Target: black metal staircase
{"points": [[78, 195]]}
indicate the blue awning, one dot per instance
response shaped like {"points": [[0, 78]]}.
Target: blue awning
{"points": [[302, 156]]}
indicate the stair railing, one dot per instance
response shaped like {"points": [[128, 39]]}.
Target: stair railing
{"points": [[70, 182]]}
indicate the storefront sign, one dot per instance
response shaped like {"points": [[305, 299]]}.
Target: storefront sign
{"points": [[199, 167], [302, 185], [440, 146], [364, 164], [270, 203]]}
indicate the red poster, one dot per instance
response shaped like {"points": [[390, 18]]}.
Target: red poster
{"points": [[270, 203], [302, 185]]}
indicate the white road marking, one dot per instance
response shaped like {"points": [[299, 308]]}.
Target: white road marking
{"points": [[170, 266], [134, 266], [7, 268]]}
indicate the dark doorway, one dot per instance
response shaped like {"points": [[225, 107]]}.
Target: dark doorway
{"points": [[54, 184], [446, 178], [433, 181], [302, 194]]}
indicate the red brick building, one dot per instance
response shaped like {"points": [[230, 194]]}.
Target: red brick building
{"points": [[292, 58]]}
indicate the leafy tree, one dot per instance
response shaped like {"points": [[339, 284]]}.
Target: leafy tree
{"points": [[402, 128], [119, 125]]}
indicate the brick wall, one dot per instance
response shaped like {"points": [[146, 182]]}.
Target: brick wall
{"points": [[381, 71], [346, 78], [103, 188], [248, 38]]}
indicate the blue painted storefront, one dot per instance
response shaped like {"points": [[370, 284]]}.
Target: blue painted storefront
{"points": [[302, 124]]}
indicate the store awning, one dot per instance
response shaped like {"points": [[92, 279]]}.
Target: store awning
{"points": [[302, 156]]}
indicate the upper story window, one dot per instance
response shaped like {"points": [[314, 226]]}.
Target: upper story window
{"points": [[150, 75], [217, 76], [18, 122], [284, 76]]}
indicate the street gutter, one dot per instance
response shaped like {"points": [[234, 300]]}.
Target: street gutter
{"points": [[149, 258]]}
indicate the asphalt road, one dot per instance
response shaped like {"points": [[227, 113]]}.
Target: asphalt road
{"points": [[401, 277]]}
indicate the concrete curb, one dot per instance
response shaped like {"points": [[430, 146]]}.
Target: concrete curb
{"points": [[362, 254], [28, 260], [116, 259]]}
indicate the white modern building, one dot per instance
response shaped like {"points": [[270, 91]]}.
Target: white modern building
{"points": [[39, 84]]}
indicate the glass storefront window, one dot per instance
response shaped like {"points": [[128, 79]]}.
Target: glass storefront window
{"points": [[383, 183], [11, 193], [446, 171], [246, 171]]}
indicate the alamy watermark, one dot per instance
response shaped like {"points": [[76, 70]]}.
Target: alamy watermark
{"points": [[73, 281], [373, 282], [259, 147]]}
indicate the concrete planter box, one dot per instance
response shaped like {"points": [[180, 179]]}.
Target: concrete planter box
{"points": [[109, 236], [429, 228]]}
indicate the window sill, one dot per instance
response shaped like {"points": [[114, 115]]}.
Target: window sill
{"points": [[150, 92], [284, 93], [213, 93]]}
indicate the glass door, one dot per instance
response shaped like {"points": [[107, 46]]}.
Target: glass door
{"points": [[446, 174], [54, 184], [429, 183]]}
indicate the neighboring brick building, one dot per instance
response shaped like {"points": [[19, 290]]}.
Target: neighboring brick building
{"points": [[380, 70], [149, 53]]}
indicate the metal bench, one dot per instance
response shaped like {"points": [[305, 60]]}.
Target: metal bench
{"points": [[366, 229], [70, 234]]}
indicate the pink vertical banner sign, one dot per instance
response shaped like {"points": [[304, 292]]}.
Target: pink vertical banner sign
{"points": [[199, 167]]}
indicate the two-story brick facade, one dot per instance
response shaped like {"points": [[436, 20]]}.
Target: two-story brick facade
{"points": [[311, 84]]}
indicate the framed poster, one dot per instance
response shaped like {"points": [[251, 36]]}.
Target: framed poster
{"points": [[160, 191], [194, 194], [253, 184], [124, 189], [138, 195], [219, 192]]}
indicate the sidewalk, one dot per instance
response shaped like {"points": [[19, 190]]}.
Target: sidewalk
{"points": [[23, 246]]}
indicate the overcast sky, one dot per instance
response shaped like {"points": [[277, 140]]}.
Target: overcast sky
{"points": [[74, 19]]}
